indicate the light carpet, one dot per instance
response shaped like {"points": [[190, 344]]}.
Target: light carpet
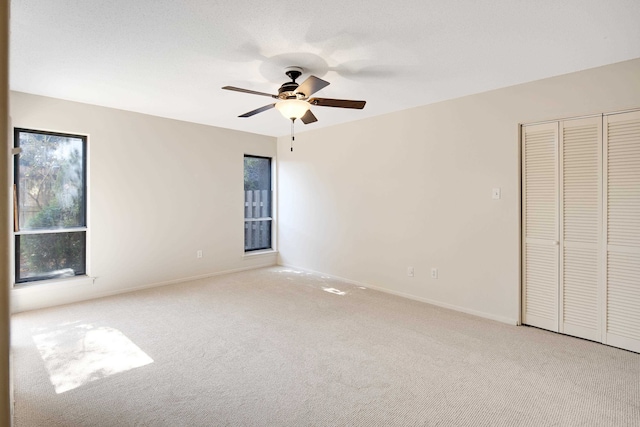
{"points": [[279, 347]]}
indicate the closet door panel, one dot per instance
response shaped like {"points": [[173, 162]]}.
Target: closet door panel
{"points": [[541, 286], [540, 226], [580, 228], [622, 231], [623, 300], [580, 293]]}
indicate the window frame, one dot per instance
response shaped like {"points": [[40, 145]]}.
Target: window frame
{"points": [[271, 208], [85, 216]]}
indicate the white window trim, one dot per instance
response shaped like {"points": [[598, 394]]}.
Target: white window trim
{"points": [[259, 253]]}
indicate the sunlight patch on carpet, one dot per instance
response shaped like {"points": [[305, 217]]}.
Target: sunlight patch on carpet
{"points": [[334, 291], [76, 354], [288, 270]]}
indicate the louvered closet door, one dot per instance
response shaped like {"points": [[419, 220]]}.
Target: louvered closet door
{"points": [[540, 225], [580, 227], [622, 230]]}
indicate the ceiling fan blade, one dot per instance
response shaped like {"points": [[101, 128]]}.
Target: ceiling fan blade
{"points": [[340, 103], [308, 118], [258, 110], [311, 85], [253, 92]]}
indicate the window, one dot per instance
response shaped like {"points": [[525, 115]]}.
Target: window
{"points": [[50, 198], [257, 203]]}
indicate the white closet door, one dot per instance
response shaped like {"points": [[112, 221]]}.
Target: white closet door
{"points": [[540, 225], [622, 230], [580, 227]]}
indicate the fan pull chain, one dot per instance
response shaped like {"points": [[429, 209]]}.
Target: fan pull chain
{"points": [[293, 138]]}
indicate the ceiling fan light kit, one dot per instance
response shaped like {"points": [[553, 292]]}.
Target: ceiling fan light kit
{"points": [[292, 108]]}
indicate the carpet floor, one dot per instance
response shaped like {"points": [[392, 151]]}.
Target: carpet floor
{"points": [[279, 347]]}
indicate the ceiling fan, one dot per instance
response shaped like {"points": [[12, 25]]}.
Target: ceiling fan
{"points": [[294, 100]]}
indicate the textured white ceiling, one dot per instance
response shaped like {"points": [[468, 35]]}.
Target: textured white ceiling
{"points": [[170, 58]]}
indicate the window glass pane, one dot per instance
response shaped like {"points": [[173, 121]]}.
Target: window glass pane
{"points": [[257, 173], [50, 176], [257, 203], [257, 235], [49, 256]]}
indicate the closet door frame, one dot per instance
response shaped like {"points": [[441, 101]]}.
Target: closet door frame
{"points": [[603, 335]]}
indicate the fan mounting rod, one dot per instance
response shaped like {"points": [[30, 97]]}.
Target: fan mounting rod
{"points": [[293, 72]]}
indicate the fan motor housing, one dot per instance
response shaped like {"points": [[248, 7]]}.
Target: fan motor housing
{"points": [[288, 87], [288, 91]]}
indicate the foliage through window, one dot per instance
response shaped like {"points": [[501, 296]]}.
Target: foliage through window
{"points": [[257, 203], [50, 176]]}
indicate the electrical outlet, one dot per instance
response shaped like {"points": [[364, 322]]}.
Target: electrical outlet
{"points": [[434, 273], [199, 253], [410, 271]]}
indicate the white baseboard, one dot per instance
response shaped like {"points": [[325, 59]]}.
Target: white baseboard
{"points": [[25, 299], [412, 297], [182, 280], [31, 297]]}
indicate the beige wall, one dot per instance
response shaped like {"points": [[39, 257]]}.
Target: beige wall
{"points": [[5, 391], [159, 190], [365, 200]]}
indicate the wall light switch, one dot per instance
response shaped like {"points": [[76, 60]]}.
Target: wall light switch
{"points": [[496, 193]]}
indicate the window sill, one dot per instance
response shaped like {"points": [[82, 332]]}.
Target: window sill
{"points": [[254, 254], [66, 282]]}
